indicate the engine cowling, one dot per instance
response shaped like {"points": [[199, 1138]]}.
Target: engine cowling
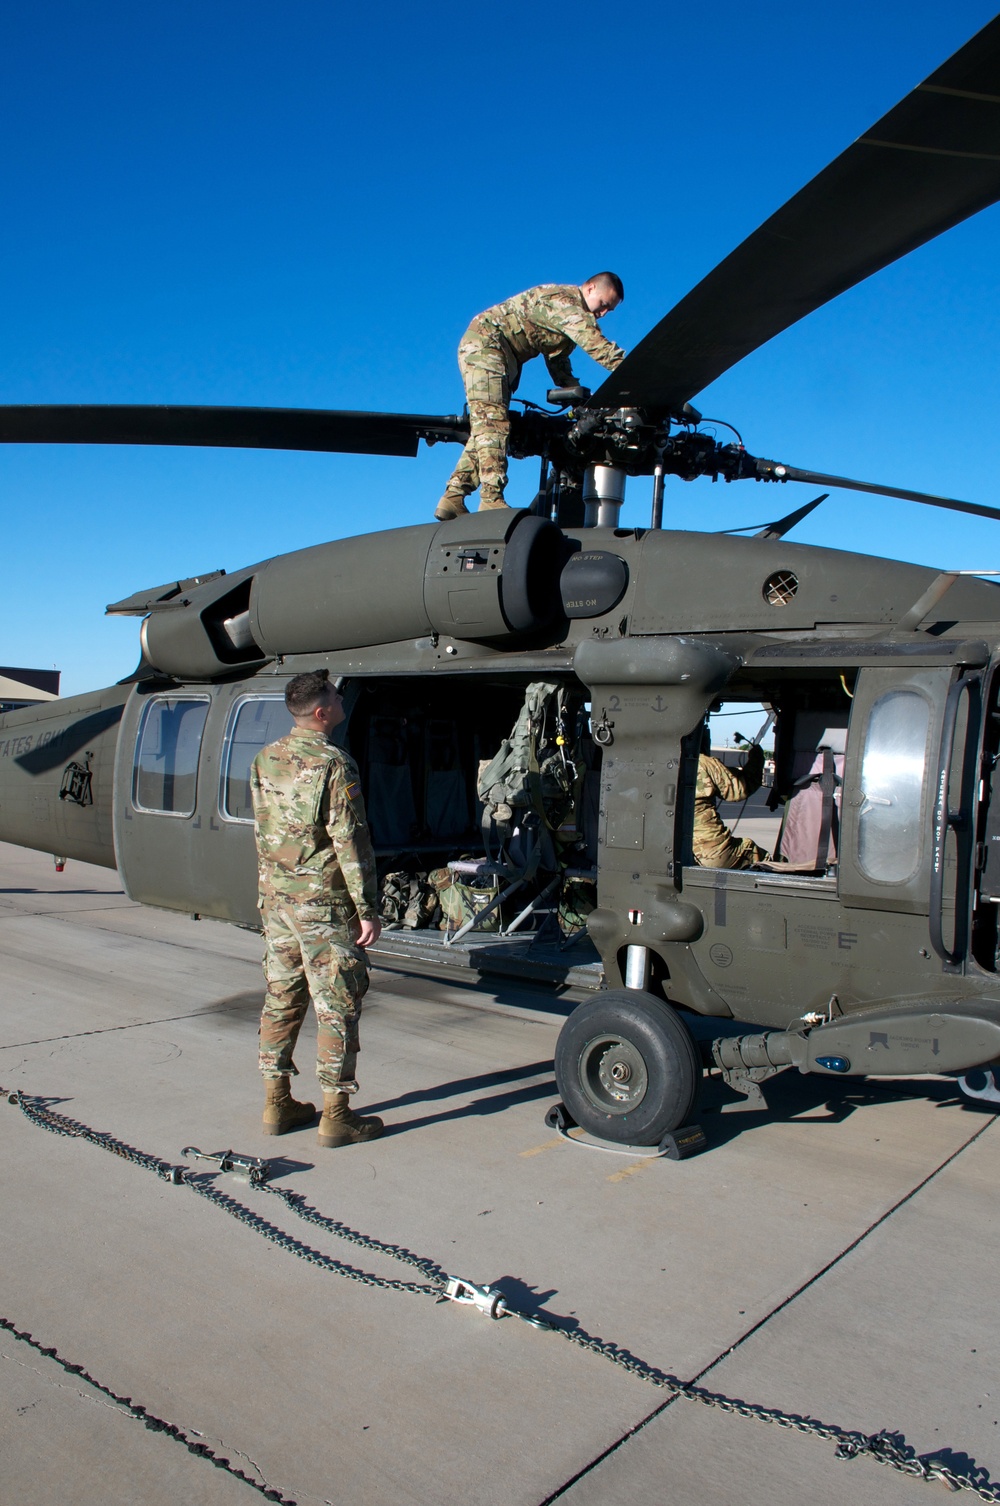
{"points": [[487, 577]]}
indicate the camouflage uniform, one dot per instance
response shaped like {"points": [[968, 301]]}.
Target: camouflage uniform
{"points": [[317, 882], [713, 843], [548, 321]]}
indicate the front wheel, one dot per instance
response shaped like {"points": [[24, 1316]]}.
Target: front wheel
{"points": [[627, 1068]]}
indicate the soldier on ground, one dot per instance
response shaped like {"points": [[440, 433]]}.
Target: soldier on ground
{"points": [[549, 321], [319, 905], [713, 843]]}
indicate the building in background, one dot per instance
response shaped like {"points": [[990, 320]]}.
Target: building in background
{"points": [[26, 687]]}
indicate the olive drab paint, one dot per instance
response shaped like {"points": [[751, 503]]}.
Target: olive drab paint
{"points": [[880, 954], [769, 948]]}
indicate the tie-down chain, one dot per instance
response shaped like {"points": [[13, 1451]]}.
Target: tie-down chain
{"points": [[888, 1448]]}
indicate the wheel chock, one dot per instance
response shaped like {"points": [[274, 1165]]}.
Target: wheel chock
{"points": [[676, 1145]]}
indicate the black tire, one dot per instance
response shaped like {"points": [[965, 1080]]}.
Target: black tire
{"points": [[627, 1067]]}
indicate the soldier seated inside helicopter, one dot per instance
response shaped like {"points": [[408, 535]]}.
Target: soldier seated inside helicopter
{"points": [[805, 789], [713, 844]]}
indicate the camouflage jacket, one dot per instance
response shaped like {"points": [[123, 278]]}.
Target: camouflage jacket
{"points": [[713, 843], [549, 321], [313, 844]]}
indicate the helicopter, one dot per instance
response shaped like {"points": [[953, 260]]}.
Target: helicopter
{"points": [[875, 951]]}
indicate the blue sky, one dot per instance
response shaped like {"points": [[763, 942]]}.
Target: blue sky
{"points": [[303, 205]]}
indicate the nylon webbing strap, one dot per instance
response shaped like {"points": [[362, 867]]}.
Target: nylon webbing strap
{"points": [[827, 783]]}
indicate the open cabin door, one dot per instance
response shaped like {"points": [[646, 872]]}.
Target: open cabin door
{"points": [[908, 799]]}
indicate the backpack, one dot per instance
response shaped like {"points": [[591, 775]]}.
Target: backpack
{"points": [[535, 770], [461, 902], [407, 902], [577, 898]]}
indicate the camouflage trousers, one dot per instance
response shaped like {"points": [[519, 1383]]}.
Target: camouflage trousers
{"points": [[715, 846], [309, 952], [490, 371]]}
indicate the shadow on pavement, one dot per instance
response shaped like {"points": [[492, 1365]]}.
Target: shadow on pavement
{"points": [[285, 1166], [494, 1104], [792, 1097], [462, 1085], [234, 1007]]}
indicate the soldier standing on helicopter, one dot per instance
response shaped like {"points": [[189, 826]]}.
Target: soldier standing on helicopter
{"points": [[549, 321]]}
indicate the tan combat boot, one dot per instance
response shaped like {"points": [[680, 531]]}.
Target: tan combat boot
{"points": [[341, 1126], [450, 506], [489, 503], [281, 1112]]}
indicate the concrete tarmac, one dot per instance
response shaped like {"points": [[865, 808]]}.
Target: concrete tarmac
{"points": [[834, 1259]]}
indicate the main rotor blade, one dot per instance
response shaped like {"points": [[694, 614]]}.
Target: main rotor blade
{"points": [[768, 469], [926, 166], [243, 428]]}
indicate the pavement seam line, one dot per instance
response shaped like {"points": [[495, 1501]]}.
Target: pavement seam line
{"points": [[134, 1411], [773, 1313], [183, 946], [61, 914], [75, 1035], [67, 916], [94, 1401]]}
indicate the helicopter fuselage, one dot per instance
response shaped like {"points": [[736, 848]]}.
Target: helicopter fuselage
{"points": [[879, 957]]}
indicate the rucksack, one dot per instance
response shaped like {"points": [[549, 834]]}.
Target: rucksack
{"points": [[461, 901], [535, 770], [407, 902]]}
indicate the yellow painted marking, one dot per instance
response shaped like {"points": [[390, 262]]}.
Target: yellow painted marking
{"points": [[536, 1150], [630, 1171]]}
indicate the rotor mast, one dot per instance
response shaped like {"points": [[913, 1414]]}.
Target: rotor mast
{"points": [[603, 495]]}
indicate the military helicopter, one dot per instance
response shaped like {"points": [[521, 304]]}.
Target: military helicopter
{"points": [[876, 952]]}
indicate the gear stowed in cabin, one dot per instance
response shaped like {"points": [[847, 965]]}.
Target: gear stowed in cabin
{"points": [[464, 892], [407, 901], [532, 784]]}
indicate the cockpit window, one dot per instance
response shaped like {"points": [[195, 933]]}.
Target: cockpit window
{"points": [[255, 723], [893, 768], [165, 775]]}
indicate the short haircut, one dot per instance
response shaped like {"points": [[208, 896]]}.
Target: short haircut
{"points": [[608, 280], [303, 693]]}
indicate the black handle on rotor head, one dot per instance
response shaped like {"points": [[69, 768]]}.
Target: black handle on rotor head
{"points": [[567, 397]]}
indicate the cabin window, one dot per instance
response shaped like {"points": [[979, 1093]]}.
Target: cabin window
{"points": [[165, 776], [254, 723], [892, 780]]}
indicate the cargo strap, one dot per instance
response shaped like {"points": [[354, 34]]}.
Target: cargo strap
{"points": [[828, 783]]}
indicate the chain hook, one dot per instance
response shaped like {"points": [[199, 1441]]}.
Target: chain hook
{"points": [[252, 1166], [488, 1299]]}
